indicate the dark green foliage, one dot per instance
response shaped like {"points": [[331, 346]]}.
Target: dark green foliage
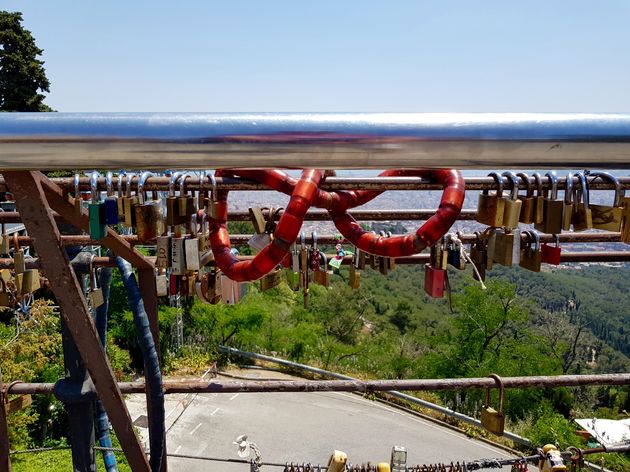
{"points": [[22, 75]]}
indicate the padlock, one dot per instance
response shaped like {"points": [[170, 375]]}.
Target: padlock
{"points": [[304, 264], [435, 273], [271, 280], [257, 217], [173, 285], [208, 287], [204, 235], [551, 254], [5, 246], [567, 214], [172, 204], [120, 201], [292, 274], [258, 242], [512, 206], [551, 460], [231, 291], [78, 202], [539, 200], [129, 202], [96, 210], [149, 217], [163, 251], [19, 262], [531, 256], [186, 285], [606, 217], [29, 281], [322, 275], [625, 228], [582, 217], [479, 256], [186, 201], [110, 205], [6, 297], [490, 206], [528, 202], [354, 275], [96, 292], [178, 255], [455, 255], [553, 208], [491, 419], [212, 200], [191, 246], [507, 249], [161, 285]]}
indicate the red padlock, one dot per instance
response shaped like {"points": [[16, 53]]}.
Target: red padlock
{"points": [[173, 288], [434, 281], [551, 254]]}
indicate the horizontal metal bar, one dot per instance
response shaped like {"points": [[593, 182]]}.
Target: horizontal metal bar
{"points": [[330, 184], [324, 140], [306, 386]]}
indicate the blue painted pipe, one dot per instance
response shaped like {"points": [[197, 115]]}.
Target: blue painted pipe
{"points": [[153, 374]]}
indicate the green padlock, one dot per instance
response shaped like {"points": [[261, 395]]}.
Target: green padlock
{"points": [[96, 209]]}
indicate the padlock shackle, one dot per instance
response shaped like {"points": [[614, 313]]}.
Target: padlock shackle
{"points": [[96, 197], [314, 238], [499, 383], [500, 181], [171, 183], [528, 185], [584, 192], [532, 238], [539, 185], [611, 178], [511, 176], [77, 191], [128, 181], [109, 183], [568, 191], [92, 274], [553, 182], [16, 243], [182, 183], [121, 174], [143, 179], [303, 240], [213, 186]]}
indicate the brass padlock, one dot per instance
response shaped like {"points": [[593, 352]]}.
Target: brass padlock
{"points": [[625, 229], [262, 236], [186, 202], [19, 261], [204, 236], [605, 217], [191, 246], [490, 206], [149, 217], [539, 200], [208, 287], [172, 203], [6, 297], [507, 250], [491, 419], [553, 208], [528, 202], [271, 280], [354, 275], [28, 282], [531, 257], [257, 217], [567, 216], [512, 206], [5, 247], [96, 292], [582, 218], [129, 203], [212, 201]]}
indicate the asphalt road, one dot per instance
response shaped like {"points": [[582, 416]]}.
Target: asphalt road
{"points": [[302, 427]]}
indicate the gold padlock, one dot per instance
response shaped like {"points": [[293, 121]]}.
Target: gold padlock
{"points": [[553, 208], [208, 287], [96, 292], [606, 217], [120, 200], [28, 282], [186, 201], [539, 199], [507, 249], [129, 202], [271, 280], [567, 216], [531, 257], [19, 262], [257, 217], [512, 206], [212, 199], [6, 297], [172, 204], [149, 218], [490, 206], [491, 419], [5, 246], [354, 278]]}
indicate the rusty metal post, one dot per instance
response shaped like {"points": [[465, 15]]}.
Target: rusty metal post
{"points": [[40, 224], [5, 459]]}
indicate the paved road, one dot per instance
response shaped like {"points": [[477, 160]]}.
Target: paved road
{"points": [[303, 427]]}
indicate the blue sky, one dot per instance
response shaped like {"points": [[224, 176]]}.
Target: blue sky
{"points": [[446, 56]]}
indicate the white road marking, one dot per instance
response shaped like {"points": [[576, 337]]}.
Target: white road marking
{"points": [[234, 396], [178, 449], [212, 414], [195, 429]]}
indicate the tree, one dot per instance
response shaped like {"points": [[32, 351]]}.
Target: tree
{"points": [[22, 75]]}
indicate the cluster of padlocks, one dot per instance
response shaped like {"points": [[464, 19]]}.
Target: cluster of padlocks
{"points": [[542, 210]]}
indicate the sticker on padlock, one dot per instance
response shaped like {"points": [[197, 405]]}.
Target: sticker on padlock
{"points": [[493, 420]]}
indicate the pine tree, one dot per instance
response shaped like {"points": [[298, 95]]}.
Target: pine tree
{"points": [[22, 75]]}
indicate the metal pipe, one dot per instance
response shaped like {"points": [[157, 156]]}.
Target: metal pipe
{"points": [[347, 385], [330, 184], [323, 140]]}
